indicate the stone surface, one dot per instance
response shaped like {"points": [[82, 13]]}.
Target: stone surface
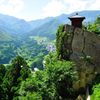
{"points": [[84, 48], [83, 44]]}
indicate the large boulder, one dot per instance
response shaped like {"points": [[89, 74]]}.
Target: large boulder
{"points": [[82, 47]]}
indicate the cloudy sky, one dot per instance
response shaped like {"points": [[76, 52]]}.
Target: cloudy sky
{"points": [[37, 9]]}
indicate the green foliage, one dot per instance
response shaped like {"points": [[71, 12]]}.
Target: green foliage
{"points": [[2, 72], [32, 86], [95, 87], [62, 74], [63, 43], [59, 41], [55, 82], [30, 96], [38, 60], [94, 27], [29, 49], [7, 51], [15, 74], [51, 57], [96, 92], [97, 79]]}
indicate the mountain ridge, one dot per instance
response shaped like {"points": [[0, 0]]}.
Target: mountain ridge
{"points": [[42, 27], [62, 19]]}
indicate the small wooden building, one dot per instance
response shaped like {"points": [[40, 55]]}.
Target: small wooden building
{"points": [[76, 20]]}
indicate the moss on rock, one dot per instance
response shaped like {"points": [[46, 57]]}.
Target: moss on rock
{"points": [[64, 43]]}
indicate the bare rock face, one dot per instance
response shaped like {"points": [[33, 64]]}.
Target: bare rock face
{"points": [[83, 48], [82, 44], [86, 45]]}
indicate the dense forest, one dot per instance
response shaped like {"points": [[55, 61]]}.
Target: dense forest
{"points": [[29, 49], [53, 80]]}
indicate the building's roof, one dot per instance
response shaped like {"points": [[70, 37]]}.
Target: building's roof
{"points": [[76, 16]]}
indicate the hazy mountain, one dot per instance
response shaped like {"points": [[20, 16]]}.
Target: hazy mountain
{"points": [[37, 23], [5, 36], [14, 25], [43, 27], [49, 28], [14, 34], [90, 15]]}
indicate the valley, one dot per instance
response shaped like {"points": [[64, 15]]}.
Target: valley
{"points": [[31, 39], [47, 59]]}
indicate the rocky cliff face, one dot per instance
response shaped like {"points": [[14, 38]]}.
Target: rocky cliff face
{"points": [[82, 47]]}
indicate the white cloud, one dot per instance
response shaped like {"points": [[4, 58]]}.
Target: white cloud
{"points": [[79, 5], [57, 7], [95, 5], [53, 8], [23, 8], [1, 1], [11, 7]]}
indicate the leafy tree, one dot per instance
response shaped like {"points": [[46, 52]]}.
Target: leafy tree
{"points": [[2, 74], [31, 87], [96, 92], [55, 82], [63, 75], [17, 72], [30, 96], [63, 43], [94, 27], [28, 48], [21, 68], [97, 21]]}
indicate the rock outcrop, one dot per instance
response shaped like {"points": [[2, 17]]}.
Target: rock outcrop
{"points": [[82, 47]]}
